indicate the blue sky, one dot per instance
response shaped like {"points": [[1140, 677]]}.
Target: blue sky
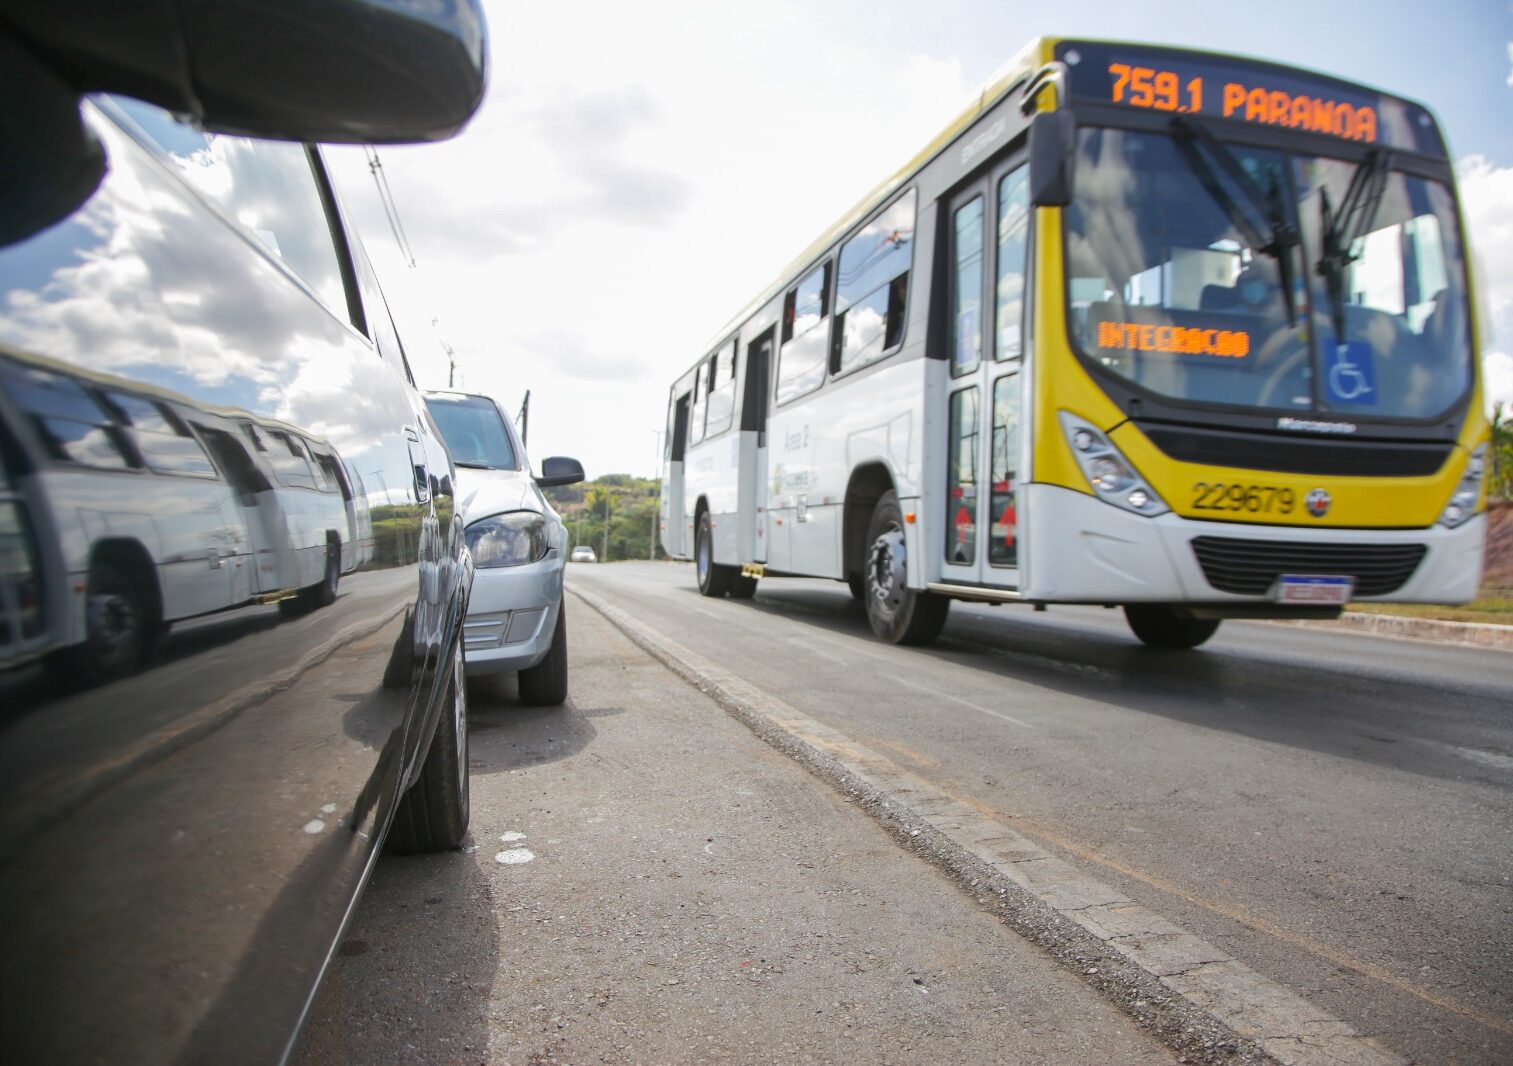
{"points": [[638, 172]]}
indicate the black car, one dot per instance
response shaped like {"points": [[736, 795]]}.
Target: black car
{"points": [[232, 582]]}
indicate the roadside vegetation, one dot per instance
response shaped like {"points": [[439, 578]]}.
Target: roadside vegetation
{"points": [[630, 504]]}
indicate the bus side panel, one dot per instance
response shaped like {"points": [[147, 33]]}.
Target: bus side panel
{"points": [[749, 477], [724, 496]]}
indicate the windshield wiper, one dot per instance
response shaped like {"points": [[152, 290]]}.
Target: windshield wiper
{"points": [[1283, 237], [471, 465], [1357, 214]]}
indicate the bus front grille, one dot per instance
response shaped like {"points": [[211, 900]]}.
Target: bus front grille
{"points": [[1249, 567]]}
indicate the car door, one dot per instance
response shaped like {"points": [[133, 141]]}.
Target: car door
{"points": [[180, 845]]}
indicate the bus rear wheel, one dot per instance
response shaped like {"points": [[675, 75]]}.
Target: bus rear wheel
{"points": [[897, 613], [1162, 626], [714, 579]]}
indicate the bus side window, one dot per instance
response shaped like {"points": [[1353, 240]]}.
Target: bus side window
{"points": [[700, 404], [966, 287], [722, 370], [801, 358], [72, 425], [872, 287], [161, 438], [1013, 263], [961, 478]]}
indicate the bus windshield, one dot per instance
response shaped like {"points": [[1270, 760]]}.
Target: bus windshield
{"points": [[1214, 273]]}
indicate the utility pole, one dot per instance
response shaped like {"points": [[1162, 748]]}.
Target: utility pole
{"points": [[656, 509], [606, 524]]}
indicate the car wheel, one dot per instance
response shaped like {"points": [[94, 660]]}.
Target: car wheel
{"points": [[117, 626], [897, 613], [1163, 626], [433, 814], [714, 579], [545, 684]]}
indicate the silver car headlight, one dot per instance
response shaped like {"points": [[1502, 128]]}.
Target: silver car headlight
{"points": [[1112, 476], [1467, 494], [512, 539]]}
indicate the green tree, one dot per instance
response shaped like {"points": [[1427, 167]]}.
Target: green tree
{"points": [[632, 504], [1500, 485]]}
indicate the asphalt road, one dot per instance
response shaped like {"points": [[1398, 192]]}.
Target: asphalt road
{"points": [[647, 881], [1334, 810]]}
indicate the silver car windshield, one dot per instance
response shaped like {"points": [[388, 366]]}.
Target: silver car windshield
{"points": [[474, 432]]}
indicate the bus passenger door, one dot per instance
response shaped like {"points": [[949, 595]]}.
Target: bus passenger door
{"points": [[674, 514], [986, 269], [756, 397]]}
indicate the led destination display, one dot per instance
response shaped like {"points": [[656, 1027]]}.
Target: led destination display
{"points": [[1171, 82]]}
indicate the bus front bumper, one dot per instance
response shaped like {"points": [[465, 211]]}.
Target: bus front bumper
{"points": [[1082, 550]]}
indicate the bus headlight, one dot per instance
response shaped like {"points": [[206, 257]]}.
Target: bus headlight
{"points": [[1110, 474], [507, 539], [1463, 502]]}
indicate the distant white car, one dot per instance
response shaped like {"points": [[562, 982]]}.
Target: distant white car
{"points": [[515, 618], [583, 554]]}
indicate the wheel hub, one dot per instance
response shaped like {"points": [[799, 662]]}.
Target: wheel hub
{"points": [[887, 575]]}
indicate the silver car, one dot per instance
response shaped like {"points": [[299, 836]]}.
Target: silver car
{"points": [[515, 621]]}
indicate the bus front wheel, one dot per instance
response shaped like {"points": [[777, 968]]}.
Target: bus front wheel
{"points": [[1161, 626], [897, 613]]}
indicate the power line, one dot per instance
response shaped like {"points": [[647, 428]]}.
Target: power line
{"points": [[391, 209]]}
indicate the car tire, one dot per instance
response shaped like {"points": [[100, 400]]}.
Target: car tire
{"points": [[897, 613], [545, 684], [433, 814], [714, 579], [118, 626], [1159, 625]]}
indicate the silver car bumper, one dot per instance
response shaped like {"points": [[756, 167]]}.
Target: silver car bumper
{"points": [[512, 616]]}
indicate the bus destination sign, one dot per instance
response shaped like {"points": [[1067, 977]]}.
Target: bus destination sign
{"points": [[1165, 90], [1180, 83]]}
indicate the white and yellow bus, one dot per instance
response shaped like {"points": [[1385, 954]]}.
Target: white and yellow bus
{"points": [[1168, 330]]}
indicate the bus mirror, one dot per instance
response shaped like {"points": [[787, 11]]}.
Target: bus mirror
{"points": [[1053, 142]]}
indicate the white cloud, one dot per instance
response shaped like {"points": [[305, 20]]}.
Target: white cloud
{"points": [[621, 193], [1487, 196]]}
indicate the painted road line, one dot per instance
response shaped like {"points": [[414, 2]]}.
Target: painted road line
{"points": [[937, 694], [1199, 999]]}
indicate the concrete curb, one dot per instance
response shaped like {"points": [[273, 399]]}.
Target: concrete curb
{"points": [[1434, 630], [1201, 1002]]}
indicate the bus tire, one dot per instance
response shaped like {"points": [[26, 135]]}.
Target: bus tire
{"points": [[324, 594], [545, 684], [897, 613], [118, 625], [858, 586], [714, 579], [1160, 625], [742, 587], [433, 814]]}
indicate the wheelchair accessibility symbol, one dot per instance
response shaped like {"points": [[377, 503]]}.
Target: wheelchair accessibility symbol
{"points": [[1352, 374]]}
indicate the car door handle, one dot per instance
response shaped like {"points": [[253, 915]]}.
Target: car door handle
{"points": [[418, 466]]}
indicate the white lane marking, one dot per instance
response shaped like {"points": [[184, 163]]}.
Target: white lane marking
{"points": [[700, 610], [315, 825], [957, 699], [510, 837], [808, 645], [1476, 755], [514, 856]]}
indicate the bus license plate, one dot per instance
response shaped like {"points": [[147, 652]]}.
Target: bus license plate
{"points": [[1313, 589]]}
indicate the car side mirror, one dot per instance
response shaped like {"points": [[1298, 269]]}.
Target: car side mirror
{"points": [[337, 71], [1053, 148], [559, 470]]}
